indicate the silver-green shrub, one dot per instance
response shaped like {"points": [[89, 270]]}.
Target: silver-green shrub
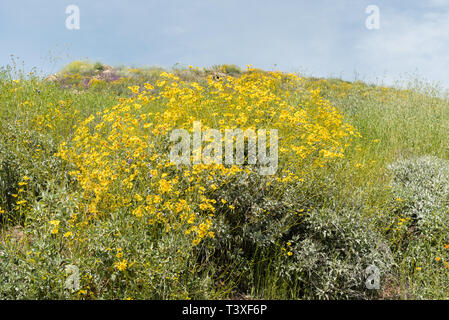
{"points": [[421, 186]]}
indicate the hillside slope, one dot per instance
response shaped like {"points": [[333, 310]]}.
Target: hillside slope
{"points": [[92, 207]]}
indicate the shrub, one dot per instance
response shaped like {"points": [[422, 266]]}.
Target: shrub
{"points": [[294, 244], [79, 67], [421, 188], [331, 252], [120, 159], [230, 69]]}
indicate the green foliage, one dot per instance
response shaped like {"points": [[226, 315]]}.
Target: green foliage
{"points": [[332, 252], [422, 188], [80, 67], [230, 69]]}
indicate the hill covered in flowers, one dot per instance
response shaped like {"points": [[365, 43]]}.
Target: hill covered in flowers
{"points": [[93, 207]]}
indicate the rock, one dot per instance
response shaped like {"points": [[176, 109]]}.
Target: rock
{"points": [[217, 76], [109, 75], [51, 78], [107, 68]]}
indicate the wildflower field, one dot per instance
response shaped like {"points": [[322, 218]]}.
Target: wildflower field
{"points": [[91, 207]]}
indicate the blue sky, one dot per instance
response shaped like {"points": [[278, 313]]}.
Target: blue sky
{"points": [[321, 38]]}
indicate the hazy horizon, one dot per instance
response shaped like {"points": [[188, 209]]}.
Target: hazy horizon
{"points": [[323, 39]]}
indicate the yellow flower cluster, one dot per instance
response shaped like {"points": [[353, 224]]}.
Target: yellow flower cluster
{"points": [[120, 156]]}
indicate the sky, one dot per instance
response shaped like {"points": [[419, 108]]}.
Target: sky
{"points": [[322, 38]]}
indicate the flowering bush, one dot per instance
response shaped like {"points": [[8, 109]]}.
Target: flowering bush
{"points": [[120, 156]]}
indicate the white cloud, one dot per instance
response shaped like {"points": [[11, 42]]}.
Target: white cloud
{"points": [[406, 43], [439, 3]]}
